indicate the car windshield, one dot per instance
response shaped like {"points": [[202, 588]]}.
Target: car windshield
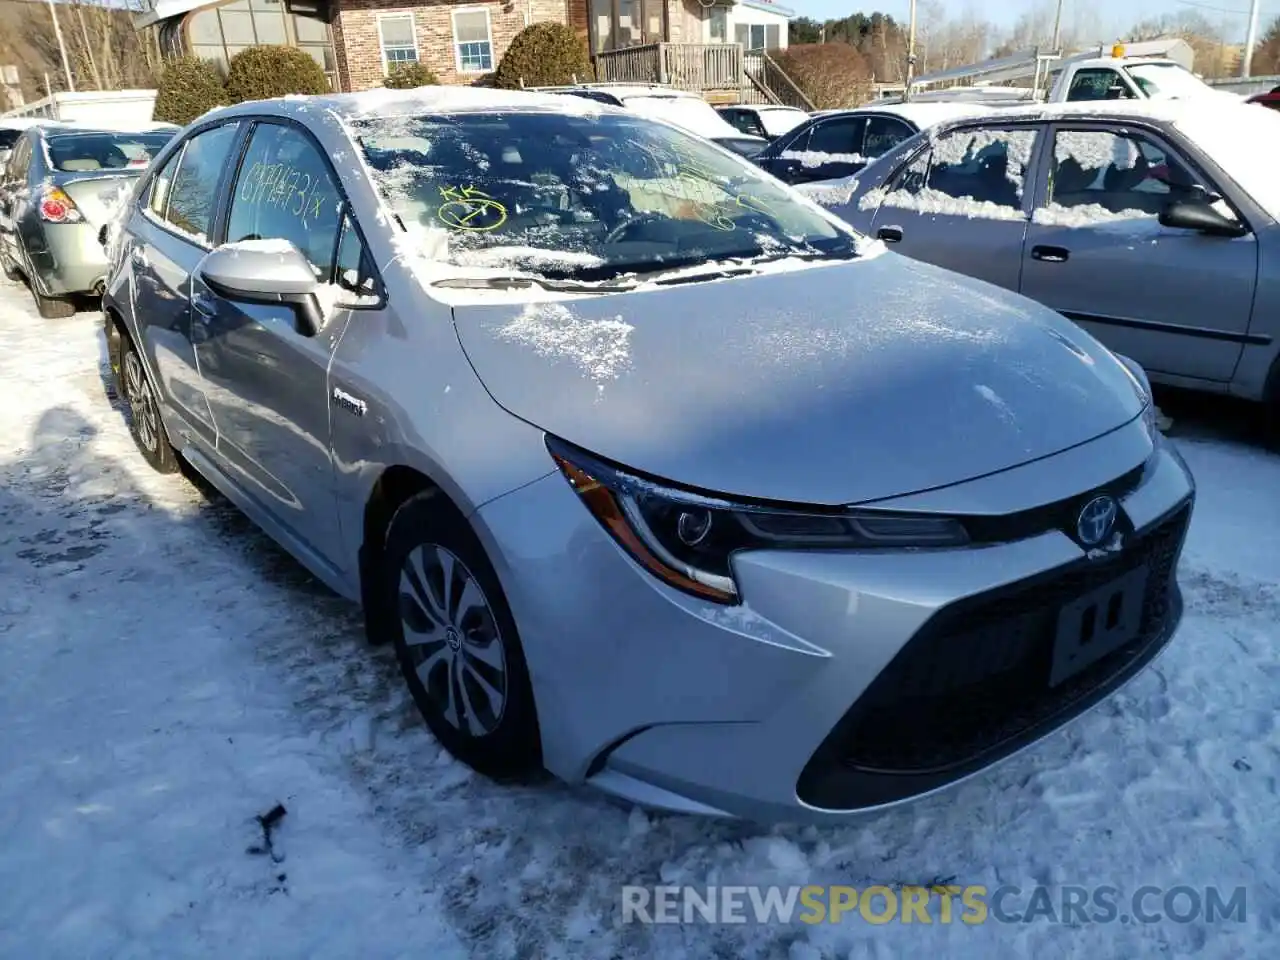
{"points": [[688, 113], [80, 152], [779, 121], [582, 197], [1166, 81], [1244, 141]]}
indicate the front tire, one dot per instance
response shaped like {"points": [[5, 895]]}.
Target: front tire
{"points": [[456, 639], [142, 408]]}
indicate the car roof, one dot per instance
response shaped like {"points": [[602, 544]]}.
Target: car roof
{"points": [[383, 102], [920, 114], [1157, 111], [760, 107]]}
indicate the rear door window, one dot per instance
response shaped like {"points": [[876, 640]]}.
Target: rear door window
{"points": [[193, 192]]}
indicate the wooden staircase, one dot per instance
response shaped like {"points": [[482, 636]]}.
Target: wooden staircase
{"points": [[764, 81]]}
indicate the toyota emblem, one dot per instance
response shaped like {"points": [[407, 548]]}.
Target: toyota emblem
{"points": [[1096, 521]]}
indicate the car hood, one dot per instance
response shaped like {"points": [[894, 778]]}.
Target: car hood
{"points": [[830, 384]]}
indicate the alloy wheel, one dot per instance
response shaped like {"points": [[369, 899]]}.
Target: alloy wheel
{"points": [[453, 640], [142, 402]]}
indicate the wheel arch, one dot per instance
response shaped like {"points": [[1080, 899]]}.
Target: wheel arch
{"points": [[395, 485]]}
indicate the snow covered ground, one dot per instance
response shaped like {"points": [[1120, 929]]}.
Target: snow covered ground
{"points": [[166, 675]]}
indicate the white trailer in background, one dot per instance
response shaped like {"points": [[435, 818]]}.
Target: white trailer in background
{"points": [[106, 108]]}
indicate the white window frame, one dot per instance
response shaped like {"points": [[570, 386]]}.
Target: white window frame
{"points": [[382, 45], [457, 46], [764, 35]]}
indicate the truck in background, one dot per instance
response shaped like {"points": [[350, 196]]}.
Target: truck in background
{"points": [[1151, 70]]}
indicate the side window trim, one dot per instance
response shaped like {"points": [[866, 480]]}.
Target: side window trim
{"points": [[347, 214]]}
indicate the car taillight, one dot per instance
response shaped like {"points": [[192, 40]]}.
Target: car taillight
{"points": [[57, 207]]}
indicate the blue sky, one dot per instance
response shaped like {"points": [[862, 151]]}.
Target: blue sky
{"points": [[1230, 15]]}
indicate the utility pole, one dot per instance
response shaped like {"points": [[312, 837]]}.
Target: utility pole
{"points": [[62, 48], [1246, 62], [911, 50], [1057, 30]]}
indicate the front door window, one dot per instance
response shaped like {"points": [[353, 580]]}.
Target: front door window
{"points": [[625, 23]]}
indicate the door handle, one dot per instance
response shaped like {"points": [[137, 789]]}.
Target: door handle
{"points": [[889, 234], [1050, 254], [137, 257]]}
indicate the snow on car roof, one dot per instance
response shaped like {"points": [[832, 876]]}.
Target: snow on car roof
{"points": [[383, 102], [924, 114]]}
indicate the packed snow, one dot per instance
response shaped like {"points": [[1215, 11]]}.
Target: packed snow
{"points": [[810, 159], [930, 201], [171, 675]]}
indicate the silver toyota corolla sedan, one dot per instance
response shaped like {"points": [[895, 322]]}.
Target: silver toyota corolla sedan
{"points": [[656, 475], [61, 185], [1155, 225]]}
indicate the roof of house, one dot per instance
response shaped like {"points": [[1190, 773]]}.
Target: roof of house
{"points": [[769, 7]]}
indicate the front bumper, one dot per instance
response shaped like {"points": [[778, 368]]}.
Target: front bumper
{"points": [[67, 259], [845, 681]]}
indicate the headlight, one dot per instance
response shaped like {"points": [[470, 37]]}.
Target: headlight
{"points": [[1141, 386], [687, 540]]}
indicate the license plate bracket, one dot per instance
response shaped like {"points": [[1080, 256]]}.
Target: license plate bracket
{"points": [[1098, 623]]}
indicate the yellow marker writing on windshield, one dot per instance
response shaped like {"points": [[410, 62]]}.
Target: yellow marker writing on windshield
{"points": [[470, 209]]}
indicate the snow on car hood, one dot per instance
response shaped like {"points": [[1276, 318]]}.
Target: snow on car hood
{"points": [[840, 384]]}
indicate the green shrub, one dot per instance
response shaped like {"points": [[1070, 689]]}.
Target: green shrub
{"points": [[260, 73], [188, 87], [542, 55], [406, 76]]}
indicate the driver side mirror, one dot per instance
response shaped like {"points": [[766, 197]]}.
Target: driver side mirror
{"points": [[266, 272], [1201, 217]]}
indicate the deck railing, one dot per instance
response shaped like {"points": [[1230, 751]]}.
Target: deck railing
{"points": [[697, 67]]}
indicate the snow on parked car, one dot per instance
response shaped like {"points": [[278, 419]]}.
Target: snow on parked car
{"points": [[1152, 224], [686, 110], [839, 143], [584, 376]]}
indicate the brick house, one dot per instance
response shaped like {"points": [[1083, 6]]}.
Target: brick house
{"points": [[698, 44]]}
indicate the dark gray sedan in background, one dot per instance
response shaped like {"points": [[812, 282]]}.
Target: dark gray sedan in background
{"points": [[62, 184]]}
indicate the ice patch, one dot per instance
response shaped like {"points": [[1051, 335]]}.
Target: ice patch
{"points": [[816, 158], [261, 245], [1096, 150], [1093, 215], [938, 203], [993, 398], [830, 193], [600, 348]]}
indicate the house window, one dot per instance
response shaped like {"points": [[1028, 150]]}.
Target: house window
{"points": [[473, 41], [718, 25], [757, 36], [395, 33]]}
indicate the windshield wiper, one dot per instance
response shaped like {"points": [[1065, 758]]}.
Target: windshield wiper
{"points": [[525, 283]]}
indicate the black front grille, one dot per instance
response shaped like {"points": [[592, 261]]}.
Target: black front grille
{"points": [[975, 679]]}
